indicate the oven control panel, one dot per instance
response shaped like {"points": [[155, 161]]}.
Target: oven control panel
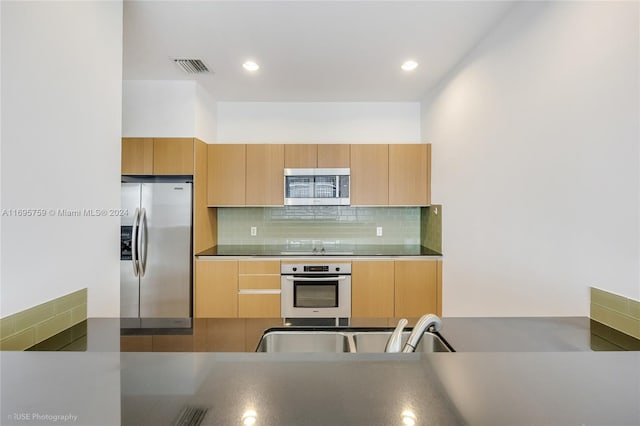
{"points": [[315, 269]]}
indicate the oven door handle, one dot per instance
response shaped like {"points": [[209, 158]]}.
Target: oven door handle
{"points": [[294, 278]]}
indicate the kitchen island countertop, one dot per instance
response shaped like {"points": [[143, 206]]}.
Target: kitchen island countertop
{"points": [[561, 383], [490, 388]]}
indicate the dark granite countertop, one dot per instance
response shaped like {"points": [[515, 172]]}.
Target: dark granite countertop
{"points": [[488, 388], [342, 250], [517, 371]]}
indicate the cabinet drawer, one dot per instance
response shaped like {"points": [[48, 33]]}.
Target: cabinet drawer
{"points": [[267, 282], [252, 267]]}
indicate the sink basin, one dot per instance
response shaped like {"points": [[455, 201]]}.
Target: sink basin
{"points": [[305, 341], [375, 341], [343, 340]]}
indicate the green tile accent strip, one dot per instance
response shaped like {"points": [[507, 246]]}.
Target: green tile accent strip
{"points": [[34, 325], [73, 338], [431, 227], [605, 338], [338, 224], [618, 312]]}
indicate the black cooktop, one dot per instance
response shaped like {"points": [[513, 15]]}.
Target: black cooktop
{"points": [[347, 250]]}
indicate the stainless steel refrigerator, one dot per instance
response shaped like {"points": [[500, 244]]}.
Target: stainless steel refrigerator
{"points": [[155, 255]]}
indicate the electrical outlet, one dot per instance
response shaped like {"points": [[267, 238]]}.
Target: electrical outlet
{"points": [[254, 231], [379, 231]]}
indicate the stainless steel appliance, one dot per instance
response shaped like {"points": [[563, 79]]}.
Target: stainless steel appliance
{"points": [[155, 257], [317, 187], [316, 290]]}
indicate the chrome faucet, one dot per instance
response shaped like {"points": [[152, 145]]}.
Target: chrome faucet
{"points": [[395, 340], [425, 322]]}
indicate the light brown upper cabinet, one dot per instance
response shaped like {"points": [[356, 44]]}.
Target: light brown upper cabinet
{"points": [[137, 156], [264, 175], [301, 156], [157, 156], [369, 175], [173, 156], [409, 174], [316, 155], [226, 177], [334, 155]]}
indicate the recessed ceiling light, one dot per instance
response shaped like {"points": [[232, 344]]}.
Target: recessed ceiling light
{"points": [[251, 66], [409, 65]]}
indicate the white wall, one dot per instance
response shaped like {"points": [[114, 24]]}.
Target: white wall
{"points": [[206, 120], [318, 122], [168, 108], [158, 108], [61, 126], [536, 161]]}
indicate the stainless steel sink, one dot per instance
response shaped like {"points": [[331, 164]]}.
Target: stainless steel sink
{"points": [[305, 341], [344, 340], [375, 341]]}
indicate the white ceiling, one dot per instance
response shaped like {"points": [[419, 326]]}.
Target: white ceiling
{"points": [[307, 50]]}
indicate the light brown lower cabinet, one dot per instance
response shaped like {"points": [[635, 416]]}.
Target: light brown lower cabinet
{"points": [[259, 289], [396, 288], [372, 283], [237, 289], [417, 288], [216, 289], [379, 288]]}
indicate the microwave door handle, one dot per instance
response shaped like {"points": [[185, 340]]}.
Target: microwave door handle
{"points": [[293, 278], [134, 242]]}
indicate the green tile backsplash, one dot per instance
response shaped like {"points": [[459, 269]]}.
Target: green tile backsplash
{"points": [[26, 328], [431, 227], [346, 225], [618, 312]]}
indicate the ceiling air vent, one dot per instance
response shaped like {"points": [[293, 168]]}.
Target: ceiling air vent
{"points": [[191, 66]]}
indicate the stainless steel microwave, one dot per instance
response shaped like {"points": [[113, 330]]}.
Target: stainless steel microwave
{"points": [[317, 187]]}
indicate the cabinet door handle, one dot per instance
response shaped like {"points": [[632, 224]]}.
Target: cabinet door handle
{"points": [[340, 278], [259, 291]]}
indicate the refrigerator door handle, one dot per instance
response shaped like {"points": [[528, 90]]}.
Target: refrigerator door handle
{"points": [[134, 242], [142, 242]]}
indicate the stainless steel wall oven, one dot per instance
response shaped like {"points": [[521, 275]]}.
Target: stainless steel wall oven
{"points": [[316, 290]]}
